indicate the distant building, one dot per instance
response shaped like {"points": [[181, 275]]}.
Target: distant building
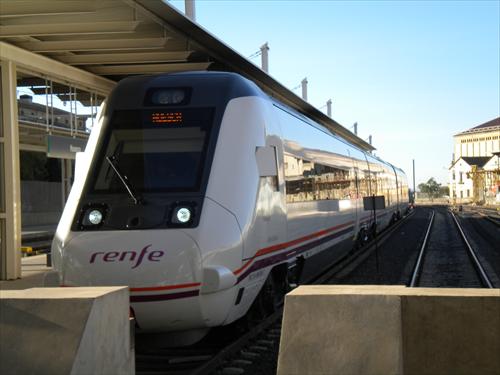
{"points": [[474, 171], [31, 112], [44, 175]]}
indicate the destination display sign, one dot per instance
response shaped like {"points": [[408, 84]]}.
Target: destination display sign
{"points": [[166, 117]]}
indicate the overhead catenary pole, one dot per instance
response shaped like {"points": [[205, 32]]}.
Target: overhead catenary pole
{"points": [[370, 139], [413, 179], [265, 57], [189, 8], [329, 107], [304, 89], [356, 129]]}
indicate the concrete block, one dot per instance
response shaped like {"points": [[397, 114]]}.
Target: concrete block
{"points": [[65, 331], [333, 330], [390, 330], [451, 331]]}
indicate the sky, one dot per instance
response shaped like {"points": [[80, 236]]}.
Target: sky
{"points": [[410, 73]]}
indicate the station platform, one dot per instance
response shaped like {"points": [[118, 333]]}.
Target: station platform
{"points": [[33, 271], [38, 237], [33, 232]]}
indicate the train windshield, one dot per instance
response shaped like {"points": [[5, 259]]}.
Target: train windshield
{"points": [[156, 150]]}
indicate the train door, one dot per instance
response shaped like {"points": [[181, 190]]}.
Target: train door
{"points": [[269, 222]]}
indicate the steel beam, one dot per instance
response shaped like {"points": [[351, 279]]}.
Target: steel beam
{"points": [[16, 8], [95, 44], [54, 69], [9, 31], [147, 68], [10, 226], [124, 58]]}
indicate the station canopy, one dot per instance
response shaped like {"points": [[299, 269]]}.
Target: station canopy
{"points": [[118, 38]]}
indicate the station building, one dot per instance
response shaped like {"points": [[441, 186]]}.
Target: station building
{"points": [[475, 169]]}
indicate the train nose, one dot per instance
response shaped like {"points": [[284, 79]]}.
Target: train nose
{"points": [[141, 260], [162, 269]]}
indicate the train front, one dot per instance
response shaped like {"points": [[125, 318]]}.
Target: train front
{"points": [[137, 212]]}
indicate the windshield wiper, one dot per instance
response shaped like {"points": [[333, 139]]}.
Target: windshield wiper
{"points": [[124, 179]]}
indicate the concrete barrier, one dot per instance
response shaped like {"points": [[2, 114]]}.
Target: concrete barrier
{"points": [[390, 330], [66, 331]]}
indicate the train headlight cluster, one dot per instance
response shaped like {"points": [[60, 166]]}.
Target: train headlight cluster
{"points": [[92, 217], [182, 214], [169, 96]]}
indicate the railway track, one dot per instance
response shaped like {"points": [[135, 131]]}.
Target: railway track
{"points": [[494, 218], [246, 353], [490, 214], [223, 355], [446, 257], [351, 261]]}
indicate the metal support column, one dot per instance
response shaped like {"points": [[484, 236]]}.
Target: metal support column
{"points": [[10, 207]]}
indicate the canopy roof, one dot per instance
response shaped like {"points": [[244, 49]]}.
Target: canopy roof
{"points": [[118, 38]]}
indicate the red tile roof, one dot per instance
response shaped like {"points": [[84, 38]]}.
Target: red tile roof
{"points": [[487, 126]]}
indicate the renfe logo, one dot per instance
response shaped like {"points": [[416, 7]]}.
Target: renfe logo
{"points": [[131, 256]]}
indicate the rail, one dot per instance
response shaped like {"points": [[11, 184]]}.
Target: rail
{"points": [[418, 263], [475, 260]]}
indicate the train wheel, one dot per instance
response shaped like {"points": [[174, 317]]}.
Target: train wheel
{"points": [[362, 238], [394, 218], [269, 299], [273, 293]]}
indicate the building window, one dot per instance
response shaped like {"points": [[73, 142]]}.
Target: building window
{"points": [[453, 176], [461, 194], [461, 178], [468, 193]]}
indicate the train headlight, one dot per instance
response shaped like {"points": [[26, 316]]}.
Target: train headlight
{"points": [[95, 217], [92, 216], [182, 214], [168, 96]]}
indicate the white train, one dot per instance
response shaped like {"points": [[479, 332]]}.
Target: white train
{"points": [[205, 196]]}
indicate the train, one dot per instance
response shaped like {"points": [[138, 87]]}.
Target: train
{"points": [[210, 199]]}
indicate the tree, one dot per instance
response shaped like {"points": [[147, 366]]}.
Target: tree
{"points": [[431, 188], [444, 190]]}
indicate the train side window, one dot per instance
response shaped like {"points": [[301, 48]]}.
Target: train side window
{"points": [[310, 181]]}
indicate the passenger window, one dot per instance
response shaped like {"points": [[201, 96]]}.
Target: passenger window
{"points": [[310, 181]]}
